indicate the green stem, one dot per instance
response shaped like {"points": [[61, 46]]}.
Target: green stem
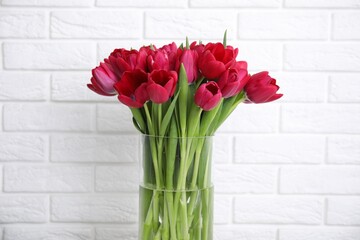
{"points": [[165, 224], [194, 180], [153, 148], [158, 179], [170, 166], [147, 226], [180, 191]]}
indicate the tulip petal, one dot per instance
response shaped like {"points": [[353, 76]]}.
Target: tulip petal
{"points": [[275, 97], [212, 103], [98, 91], [157, 93], [129, 102], [213, 69], [141, 94]]}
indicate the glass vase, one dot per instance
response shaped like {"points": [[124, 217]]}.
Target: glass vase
{"points": [[176, 191]]}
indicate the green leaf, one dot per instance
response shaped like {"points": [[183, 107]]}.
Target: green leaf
{"points": [[207, 119], [225, 38], [214, 123], [165, 121], [171, 154], [187, 43], [139, 118], [228, 107], [148, 117], [137, 125], [152, 46], [183, 95], [194, 119]]}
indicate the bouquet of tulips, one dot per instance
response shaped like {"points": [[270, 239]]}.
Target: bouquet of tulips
{"points": [[178, 97]]}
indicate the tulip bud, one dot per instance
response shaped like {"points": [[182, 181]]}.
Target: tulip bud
{"points": [[261, 88], [232, 81], [132, 88], [208, 95], [189, 59], [103, 80], [215, 59], [162, 85]]}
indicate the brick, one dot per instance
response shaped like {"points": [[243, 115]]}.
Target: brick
{"points": [[73, 87], [195, 24], [144, 3], [270, 149], [345, 25], [53, 233], [248, 118], [23, 86], [344, 149], [283, 25], [47, 117], [22, 24], [23, 147], [50, 55], [278, 210], [244, 179], [1, 117], [295, 87], [234, 3], [100, 148], [324, 233], [323, 180], [222, 209], [103, 209], [48, 3], [1, 182], [128, 233], [343, 211], [260, 56], [322, 57], [344, 88], [323, 3], [231, 232], [114, 117], [96, 24], [336, 118], [117, 178], [23, 209], [1, 59], [48, 178], [222, 149]]}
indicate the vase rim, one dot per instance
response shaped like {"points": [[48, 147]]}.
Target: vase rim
{"points": [[168, 137]]}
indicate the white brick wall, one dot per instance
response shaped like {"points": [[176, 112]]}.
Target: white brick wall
{"points": [[283, 171]]}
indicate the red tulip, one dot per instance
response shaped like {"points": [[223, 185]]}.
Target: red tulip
{"points": [[198, 48], [208, 95], [103, 80], [215, 59], [158, 61], [232, 81], [126, 60], [240, 65], [189, 59], [261, 88], [162, 85], [164, 58], [132, 88], [172, 53]]}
